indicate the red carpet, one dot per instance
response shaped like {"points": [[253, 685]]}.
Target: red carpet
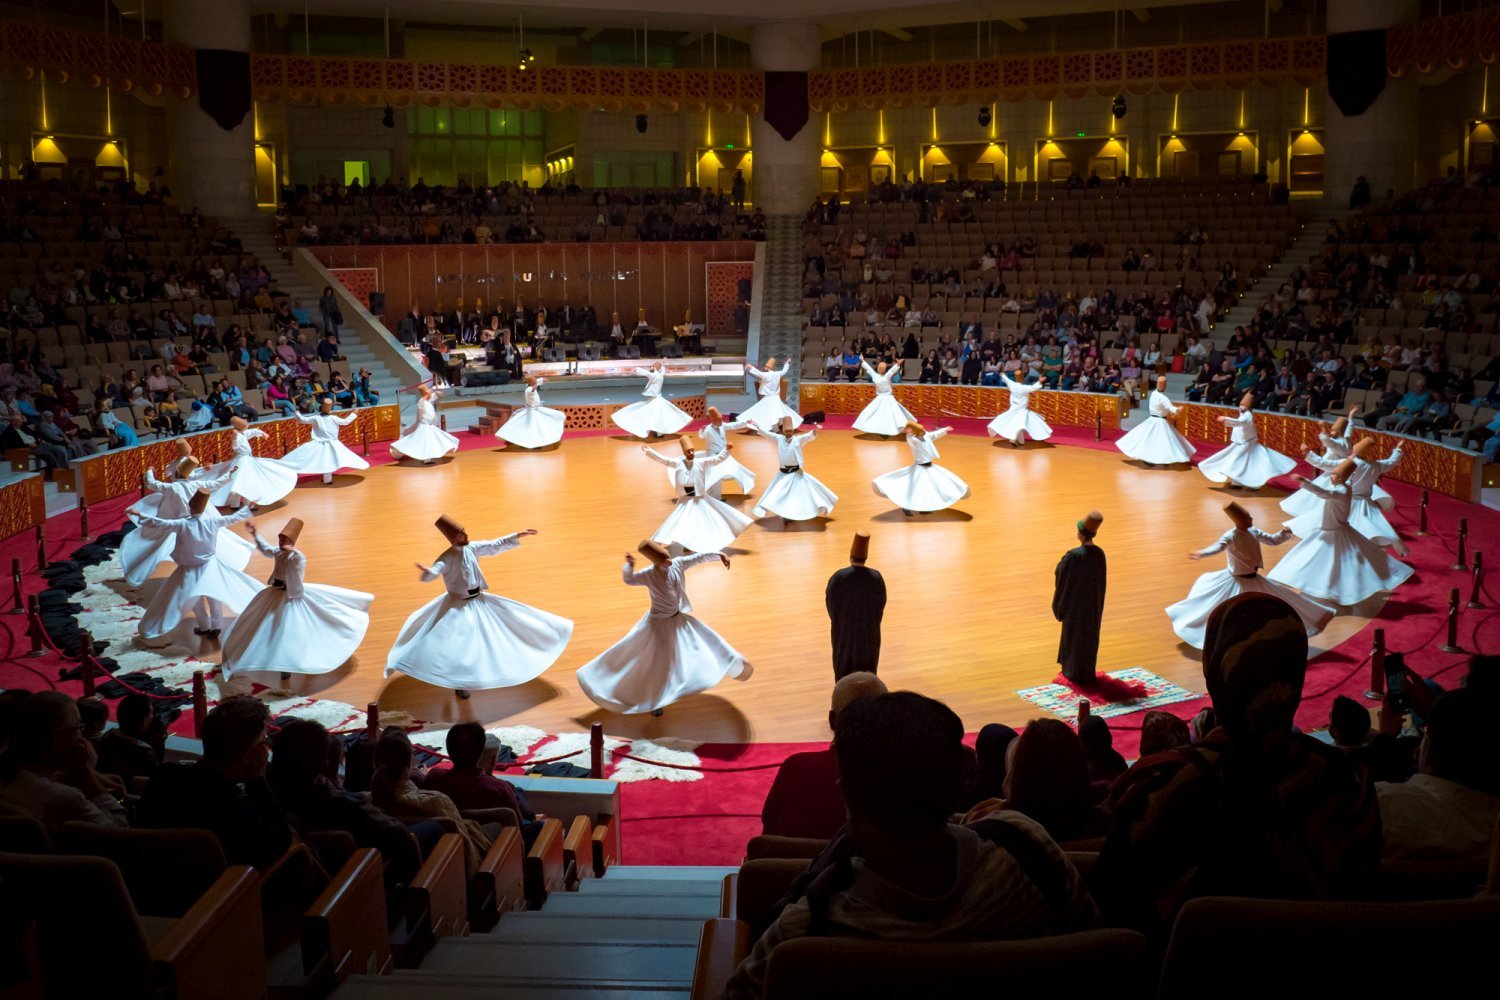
{"points": [[709, 821]]}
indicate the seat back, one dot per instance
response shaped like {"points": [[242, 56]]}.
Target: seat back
{"points": [[166, 871], [1113, 961], [760, 884], [770, 846], [22, 834]]}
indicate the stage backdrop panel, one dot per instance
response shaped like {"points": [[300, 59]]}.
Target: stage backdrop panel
{"points": [[22, 506], [722, 294], [666, 278], [360, 281], [1079, 409]]}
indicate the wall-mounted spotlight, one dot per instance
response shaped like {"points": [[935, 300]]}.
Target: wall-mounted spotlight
{"points": [[1118, 107], [984, 116], [525, 59], [388, 117], [640, 124]]}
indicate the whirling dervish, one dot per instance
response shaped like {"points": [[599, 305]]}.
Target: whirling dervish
{"points": [[668, 654], [468, 638], [1336, 448], [324, 453], [769, 410], [142, 551], [1154, 440], [922, 486], [203, 584], [532, 425], [1333, 561], [652, 414], [425, 440], [884, 414], [715, 441], [793, 495], [257, 481], [1365, 513], [1241, 547], [698, 522], [1245, 462], [291, 626], [1019, 421]]}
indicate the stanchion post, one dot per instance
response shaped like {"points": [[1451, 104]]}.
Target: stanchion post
{"points": [[372, 721], [34, 627], [86, 663], [1376, 690], [364, 438], [15, 582], [596, 750], [1422, 522], [41, 547], [443, 421], [200, 703], [83, 521], [1478, 584], [1452, 646], [1462, 562], [1098, 424]]}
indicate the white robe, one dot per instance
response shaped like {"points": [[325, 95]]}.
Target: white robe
{"points": [[794, 496], [1245, 461], [1019, 422], [668, 654], [532, 425], [1154, 440], [922, 486], [1365, 514], [426, 441], [884, 414], [698, 522], [653, 414], [142, 551], [1334, 562], [324, 452], [769, 409], [202, 584], [470, 638], [294, 627], [1335, 450], [1243, 560], [260, 481], [716, 440]]}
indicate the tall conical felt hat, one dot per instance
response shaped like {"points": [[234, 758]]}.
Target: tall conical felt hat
{"points": [[1090, 523], [1362, 448], [327, 404], [713, 413], [916, 428], [1247, 400], [1239, 515], [1340, 426], [785, 424], [1341, 472], [450, 528], [199, 503], [686, 444], [1161, 383], [292, 530], [238, 423], [184, 467], [859, 550], [655, 551]]}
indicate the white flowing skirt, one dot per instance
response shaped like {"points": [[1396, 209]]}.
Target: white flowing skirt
{"points": [[702, 524], [652, 415], [533, 427], [261, 481], [768, 411], [1017, 425], [883, 415], [484, 642], [1305, 501], [318, 457], [1342, 566], [180, 593], [729, 469], [1190, 615], [922, 488], [1156, 442], [142, 551], [1365, 517], [427, 443], [1250, 465], [660, 660], [796, 496], [311, 634]]}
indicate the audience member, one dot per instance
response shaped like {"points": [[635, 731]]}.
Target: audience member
{"points": [[47, 769]]}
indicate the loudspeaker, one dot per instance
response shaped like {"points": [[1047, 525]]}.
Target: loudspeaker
{"points": [[815, 417], [498, 376], [377, 303]]}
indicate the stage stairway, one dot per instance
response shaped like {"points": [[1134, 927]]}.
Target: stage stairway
{"points": [[630, 935], [781, 300], [1307, 244]]}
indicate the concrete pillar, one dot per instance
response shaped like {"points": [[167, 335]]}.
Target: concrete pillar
{"points": [[786, 175], [1380, 144], [208, 167]]}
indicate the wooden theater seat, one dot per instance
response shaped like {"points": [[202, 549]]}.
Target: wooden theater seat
{"points": [[436, 903], [545, 870], [344, 931], [770, 846], [498, 885], [194, 859]]}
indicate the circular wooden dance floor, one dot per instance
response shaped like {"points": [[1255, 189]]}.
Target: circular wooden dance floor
{"points": [[969, 618]]}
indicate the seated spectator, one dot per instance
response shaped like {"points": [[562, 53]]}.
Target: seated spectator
{"points": [[902, 871], [804, 799], [1447, 810], [226, 791], [472, 786], [1047, 779], [1252, 809], [1163, 731], [394, 790], [1104, 762], [990, 752], [47, 770], [134, 748]]}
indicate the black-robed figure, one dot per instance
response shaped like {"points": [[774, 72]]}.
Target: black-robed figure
{"points": [[856, 604], [1078, 602]]}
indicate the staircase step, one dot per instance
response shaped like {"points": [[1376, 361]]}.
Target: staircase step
{"points": [[655, 887], [715, 872], [429, 986], [544, 926], [578, 904], [563, 961]]}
